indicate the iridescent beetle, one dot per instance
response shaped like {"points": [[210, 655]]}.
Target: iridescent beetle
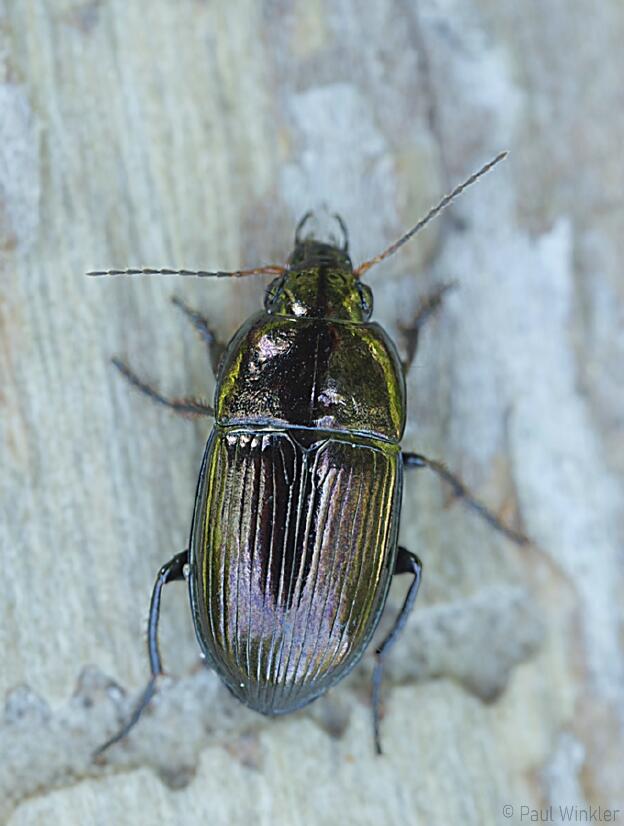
{"points": [[294, 540]]}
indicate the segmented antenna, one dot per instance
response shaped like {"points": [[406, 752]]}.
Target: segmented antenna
{"points": [[272, 269], [358, 272], [276, 269]]}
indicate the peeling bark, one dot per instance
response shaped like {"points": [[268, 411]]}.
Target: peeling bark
{"points": [[195, 135]]}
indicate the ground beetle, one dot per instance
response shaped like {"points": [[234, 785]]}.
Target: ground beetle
{"points": [[294, 536]]}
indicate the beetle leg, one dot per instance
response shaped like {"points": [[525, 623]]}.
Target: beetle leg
{"points": [[462, 492], [185, 407], [172, 571], [406, 563], [429, 305], [216, 348]]}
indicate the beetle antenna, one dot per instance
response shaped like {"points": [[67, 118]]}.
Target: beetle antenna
{"points": [[272, 269], [431, 214]]}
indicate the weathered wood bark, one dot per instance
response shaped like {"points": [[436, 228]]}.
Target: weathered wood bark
{"points": [[194, 134]]}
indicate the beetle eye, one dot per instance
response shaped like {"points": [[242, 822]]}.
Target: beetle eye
{"points": [[366, 299], [272, 292]]}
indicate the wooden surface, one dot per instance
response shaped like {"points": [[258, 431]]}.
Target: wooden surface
{"points": [[195, 134]]}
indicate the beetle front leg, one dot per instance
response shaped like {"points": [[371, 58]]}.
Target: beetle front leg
{"points": [[216, 348], [417, 460], [172, 571], [428, 306], [184, 407], [406, 563]]}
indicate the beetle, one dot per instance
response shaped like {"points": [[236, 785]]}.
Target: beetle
{"points": [[294, 537]]}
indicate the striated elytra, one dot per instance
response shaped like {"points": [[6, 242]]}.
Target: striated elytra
{"points": [[294, 539]]}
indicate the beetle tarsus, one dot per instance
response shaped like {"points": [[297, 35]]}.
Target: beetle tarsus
{"points": [[144, 701], [184, 407], [406, 563], [172, 571], [461, 491]]}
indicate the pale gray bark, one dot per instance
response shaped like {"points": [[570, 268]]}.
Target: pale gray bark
{"points": [[195, 134]]}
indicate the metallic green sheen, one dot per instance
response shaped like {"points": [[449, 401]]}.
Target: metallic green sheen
{"points": [[294, 536], [313, 372]]}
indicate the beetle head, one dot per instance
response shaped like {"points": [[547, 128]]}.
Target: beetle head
{"points": [[320, 283]]}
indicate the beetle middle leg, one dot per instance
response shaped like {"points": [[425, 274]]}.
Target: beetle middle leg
{"points": [[417, 460], [172, 571], [406, 563], [185, 407]]}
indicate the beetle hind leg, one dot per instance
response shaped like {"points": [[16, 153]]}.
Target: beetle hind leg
{"points": [[172, 571], [216, 348], [406, 563], [188, 407]]}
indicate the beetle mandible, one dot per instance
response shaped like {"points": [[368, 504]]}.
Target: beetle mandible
{"points": [[294, 538]]}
